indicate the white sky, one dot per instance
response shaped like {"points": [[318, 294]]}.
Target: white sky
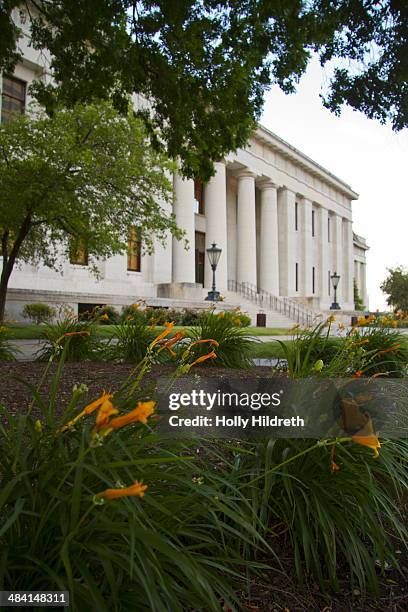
{"points": [[367, 155]]}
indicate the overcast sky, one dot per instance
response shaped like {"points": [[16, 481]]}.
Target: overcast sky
{"points": [[367, 155]]}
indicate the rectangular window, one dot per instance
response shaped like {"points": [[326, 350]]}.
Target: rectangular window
{"points": [[296, 216], [78, 252], [198, 197], [134, 255], [297, 277], [199, 257], [313, 223], [13, 98], [328, 283], [313, 279], [328, 229]]}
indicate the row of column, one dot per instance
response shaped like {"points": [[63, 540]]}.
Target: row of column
{"points": [[281, 246]]}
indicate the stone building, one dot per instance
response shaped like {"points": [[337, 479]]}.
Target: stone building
{"points": [[283, 222]]}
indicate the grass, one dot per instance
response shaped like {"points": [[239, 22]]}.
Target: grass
{"points": [[268, 350], [31, 331]]}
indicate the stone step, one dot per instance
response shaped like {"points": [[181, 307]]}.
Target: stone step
{"points": [[273, 318]]}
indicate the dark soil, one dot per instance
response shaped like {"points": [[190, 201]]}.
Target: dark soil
{"points": [[281, 592], [271, 591], [16, 395]]}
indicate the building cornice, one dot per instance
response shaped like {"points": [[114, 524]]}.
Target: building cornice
{"points": [[287, 150], [360, 242]]}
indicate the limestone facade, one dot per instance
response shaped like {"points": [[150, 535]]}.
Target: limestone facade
{"points": [[283, 222]]}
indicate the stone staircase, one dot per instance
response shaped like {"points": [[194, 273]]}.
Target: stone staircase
{"points": [[280, 312]]}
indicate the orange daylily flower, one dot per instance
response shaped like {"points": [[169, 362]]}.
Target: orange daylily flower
{"points": [[211, 355], [358, 374], [333, 465], [104, 414], [389, 350], [167, 344], [78, 333], [88, 409], [140, 414], [367, 437], [364, 341], [169, 327], [209, 341], [137, 489]]}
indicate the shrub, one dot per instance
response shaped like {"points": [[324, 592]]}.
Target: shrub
{"points": [[132, 313], [38, 312], [234, 345], [190, 317], [78, 336], [238, 318], [385, 351], [179, 547], [106, 315], [7, 351]]}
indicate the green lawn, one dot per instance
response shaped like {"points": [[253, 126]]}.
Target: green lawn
{"points": [[30, 331], [268, 350]]}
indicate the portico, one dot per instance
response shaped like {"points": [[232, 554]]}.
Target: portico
{"points": [[284, 224]]}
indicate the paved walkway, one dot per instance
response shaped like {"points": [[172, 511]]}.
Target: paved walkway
{"points": [[28, 348]]}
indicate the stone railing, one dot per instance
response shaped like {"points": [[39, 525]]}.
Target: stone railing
{"points": [[290, 308]]}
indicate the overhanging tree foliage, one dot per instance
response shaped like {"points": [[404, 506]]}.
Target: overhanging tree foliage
{"points": [[85, 174], [205, 64], [396, 287]]}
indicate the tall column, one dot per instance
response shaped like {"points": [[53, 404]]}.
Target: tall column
{"points": [[246, 229], [232, 228], [183, 208], [323, 249], [269, 240], [364, 294], [348, 263], [215, 198], [287, 242], [306, 248], [337, 224], [162, 271]]}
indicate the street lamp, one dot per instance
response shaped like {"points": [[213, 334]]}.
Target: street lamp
{"points": [[214, 254], [335, 278]]}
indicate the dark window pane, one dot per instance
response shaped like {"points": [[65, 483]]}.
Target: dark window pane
{"points": [[13, 98]]}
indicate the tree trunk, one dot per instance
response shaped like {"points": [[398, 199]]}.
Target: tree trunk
{"points": [[9, 259], [3, 292]]}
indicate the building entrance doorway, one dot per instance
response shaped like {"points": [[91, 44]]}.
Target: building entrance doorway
{"points": [[199, 257]]}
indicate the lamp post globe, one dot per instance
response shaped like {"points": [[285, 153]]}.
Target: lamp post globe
{"points": [[213, 254], [335, 279]]}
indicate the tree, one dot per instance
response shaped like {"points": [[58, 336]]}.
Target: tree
{"points": [[396, 287], [85, 176], [358, 302], [205, 64]]}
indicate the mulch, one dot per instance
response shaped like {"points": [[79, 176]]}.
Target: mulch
{"points": [[271, 591], [16, 395]]}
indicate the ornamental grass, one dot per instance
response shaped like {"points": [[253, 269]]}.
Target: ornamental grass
{"points": [[93, 501], [96, 502]]}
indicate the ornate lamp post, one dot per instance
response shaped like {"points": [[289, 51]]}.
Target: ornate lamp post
{"points": [[214, 254], [335, 278]]}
